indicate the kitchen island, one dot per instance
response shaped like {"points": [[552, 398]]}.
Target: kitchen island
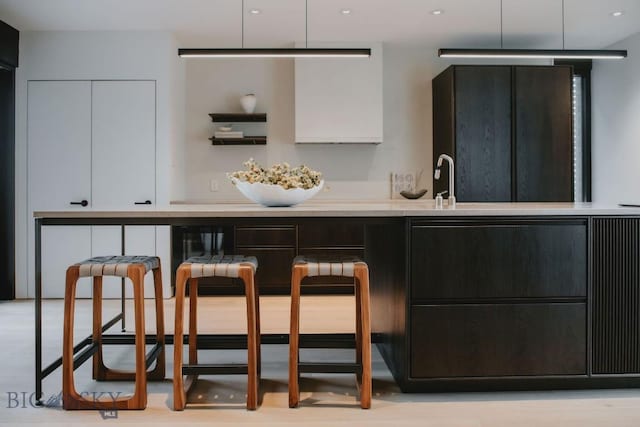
{"points": [[481, 297]]}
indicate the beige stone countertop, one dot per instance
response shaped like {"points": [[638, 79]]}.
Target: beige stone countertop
{"points": [[321, 208]]}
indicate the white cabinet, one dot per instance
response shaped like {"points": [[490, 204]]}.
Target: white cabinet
{"points": [[93, 141], [339, 100], [59, 168]]}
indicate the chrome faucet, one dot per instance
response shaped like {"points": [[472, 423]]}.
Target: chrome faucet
{"points": [[436, 175]]}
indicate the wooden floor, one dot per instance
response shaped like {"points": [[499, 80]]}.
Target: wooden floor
{"points": [[325, 400]]}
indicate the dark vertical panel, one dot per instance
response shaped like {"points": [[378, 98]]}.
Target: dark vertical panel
{"points": [[543, 134], [8, 46], [483, 133], [616, 296], [7, 184], [443, 122]]}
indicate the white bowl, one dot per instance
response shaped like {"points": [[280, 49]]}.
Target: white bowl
{"points": [[225, 128], [275, 195]]}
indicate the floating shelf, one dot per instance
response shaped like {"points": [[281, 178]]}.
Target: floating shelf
{"points": [[238, 118], [247, 140]]}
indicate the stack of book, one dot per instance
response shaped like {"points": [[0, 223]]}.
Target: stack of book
{"points": [[229, 134]]}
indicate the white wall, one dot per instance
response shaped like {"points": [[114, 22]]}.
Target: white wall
{"points": [[616, 126], [93, 56], [351, 171]]}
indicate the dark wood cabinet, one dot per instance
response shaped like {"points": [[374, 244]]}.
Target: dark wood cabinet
{"points": [[508, 129], [488, 340], [510, 259], [474, 127], [543, 134]]}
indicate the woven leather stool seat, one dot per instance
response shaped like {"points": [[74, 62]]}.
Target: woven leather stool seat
{"points": [[339, 267], [220, 266], [116, 265]]}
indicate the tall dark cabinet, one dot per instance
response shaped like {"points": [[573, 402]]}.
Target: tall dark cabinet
{"points": [[509, 130], [8, 64]]}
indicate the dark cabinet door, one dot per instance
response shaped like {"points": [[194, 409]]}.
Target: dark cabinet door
{"points": [[543, 134], [481, 260], [482, 133], [480, 340], [274, 266]]}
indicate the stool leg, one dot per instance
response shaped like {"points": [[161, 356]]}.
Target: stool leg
{"points": [[297, 274], [362, 277], [179, 394], [258, 337], [358, 295], [69, 394], [193, 321], [99, 369], [246, 274], [139, 399], [159, 372]]}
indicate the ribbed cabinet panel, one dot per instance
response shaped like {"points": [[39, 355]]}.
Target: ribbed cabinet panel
{"points": [[616, 296]]}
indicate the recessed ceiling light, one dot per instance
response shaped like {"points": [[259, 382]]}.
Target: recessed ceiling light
{"points": [[255, 11], [345, 11], [617, 13], [437, 12]]}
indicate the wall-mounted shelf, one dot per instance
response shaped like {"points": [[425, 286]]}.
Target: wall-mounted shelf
{"points": [[238, 118], [247, 140]]}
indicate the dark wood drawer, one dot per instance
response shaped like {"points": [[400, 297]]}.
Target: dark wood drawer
{"points": [[479, 340], [512, 260], [266, 236], [330, 234]]}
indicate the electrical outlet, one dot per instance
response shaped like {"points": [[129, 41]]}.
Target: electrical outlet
{"points": [[213, 185]]}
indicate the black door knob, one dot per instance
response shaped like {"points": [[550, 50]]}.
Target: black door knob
{"points": [[146, 202], [83, 203]]}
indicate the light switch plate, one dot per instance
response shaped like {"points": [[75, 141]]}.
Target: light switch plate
{"points": [[213, 185]]}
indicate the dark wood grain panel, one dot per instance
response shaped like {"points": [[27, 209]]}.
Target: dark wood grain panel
{"points": [[274, 266], [483, 133], [266, 236], [326, 234], [478, 261], [443, 96], [486, 340], [543, 134]]}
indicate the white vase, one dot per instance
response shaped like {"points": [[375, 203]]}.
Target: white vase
{"points": [[248, 103]]}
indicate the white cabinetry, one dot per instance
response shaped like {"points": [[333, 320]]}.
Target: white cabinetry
{"points": [[93, 141], [339, 100]]}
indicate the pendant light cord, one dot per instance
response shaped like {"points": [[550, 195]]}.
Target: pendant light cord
{"points": [[242, 25], [501, 32], [562, 24], [306, 23]]}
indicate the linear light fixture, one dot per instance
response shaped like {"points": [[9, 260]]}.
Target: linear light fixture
{"points": [[305, 52], [532, 53], [274, 53]]}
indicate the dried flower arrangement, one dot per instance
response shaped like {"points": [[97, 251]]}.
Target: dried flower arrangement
{"points": [[281, 174]]}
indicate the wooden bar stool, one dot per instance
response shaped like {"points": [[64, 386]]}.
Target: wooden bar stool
{"points": [[347, 267], [135, 268], [235, 266]]}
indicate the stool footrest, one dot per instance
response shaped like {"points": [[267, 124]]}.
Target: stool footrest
{"points": [[329, 368], [215, 369], [85, 355], [153, 354]]}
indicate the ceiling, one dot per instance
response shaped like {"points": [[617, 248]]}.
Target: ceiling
{"points": [[464, 23]]}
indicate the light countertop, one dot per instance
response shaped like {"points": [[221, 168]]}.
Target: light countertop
{"points": [[389, 208]]}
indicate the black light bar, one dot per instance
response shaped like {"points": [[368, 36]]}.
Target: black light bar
{"points": [[274, 53], [532, 53]]}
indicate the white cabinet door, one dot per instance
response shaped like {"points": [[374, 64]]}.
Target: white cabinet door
{"points": [[59, 172], [339, 100], [123, 143]]}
